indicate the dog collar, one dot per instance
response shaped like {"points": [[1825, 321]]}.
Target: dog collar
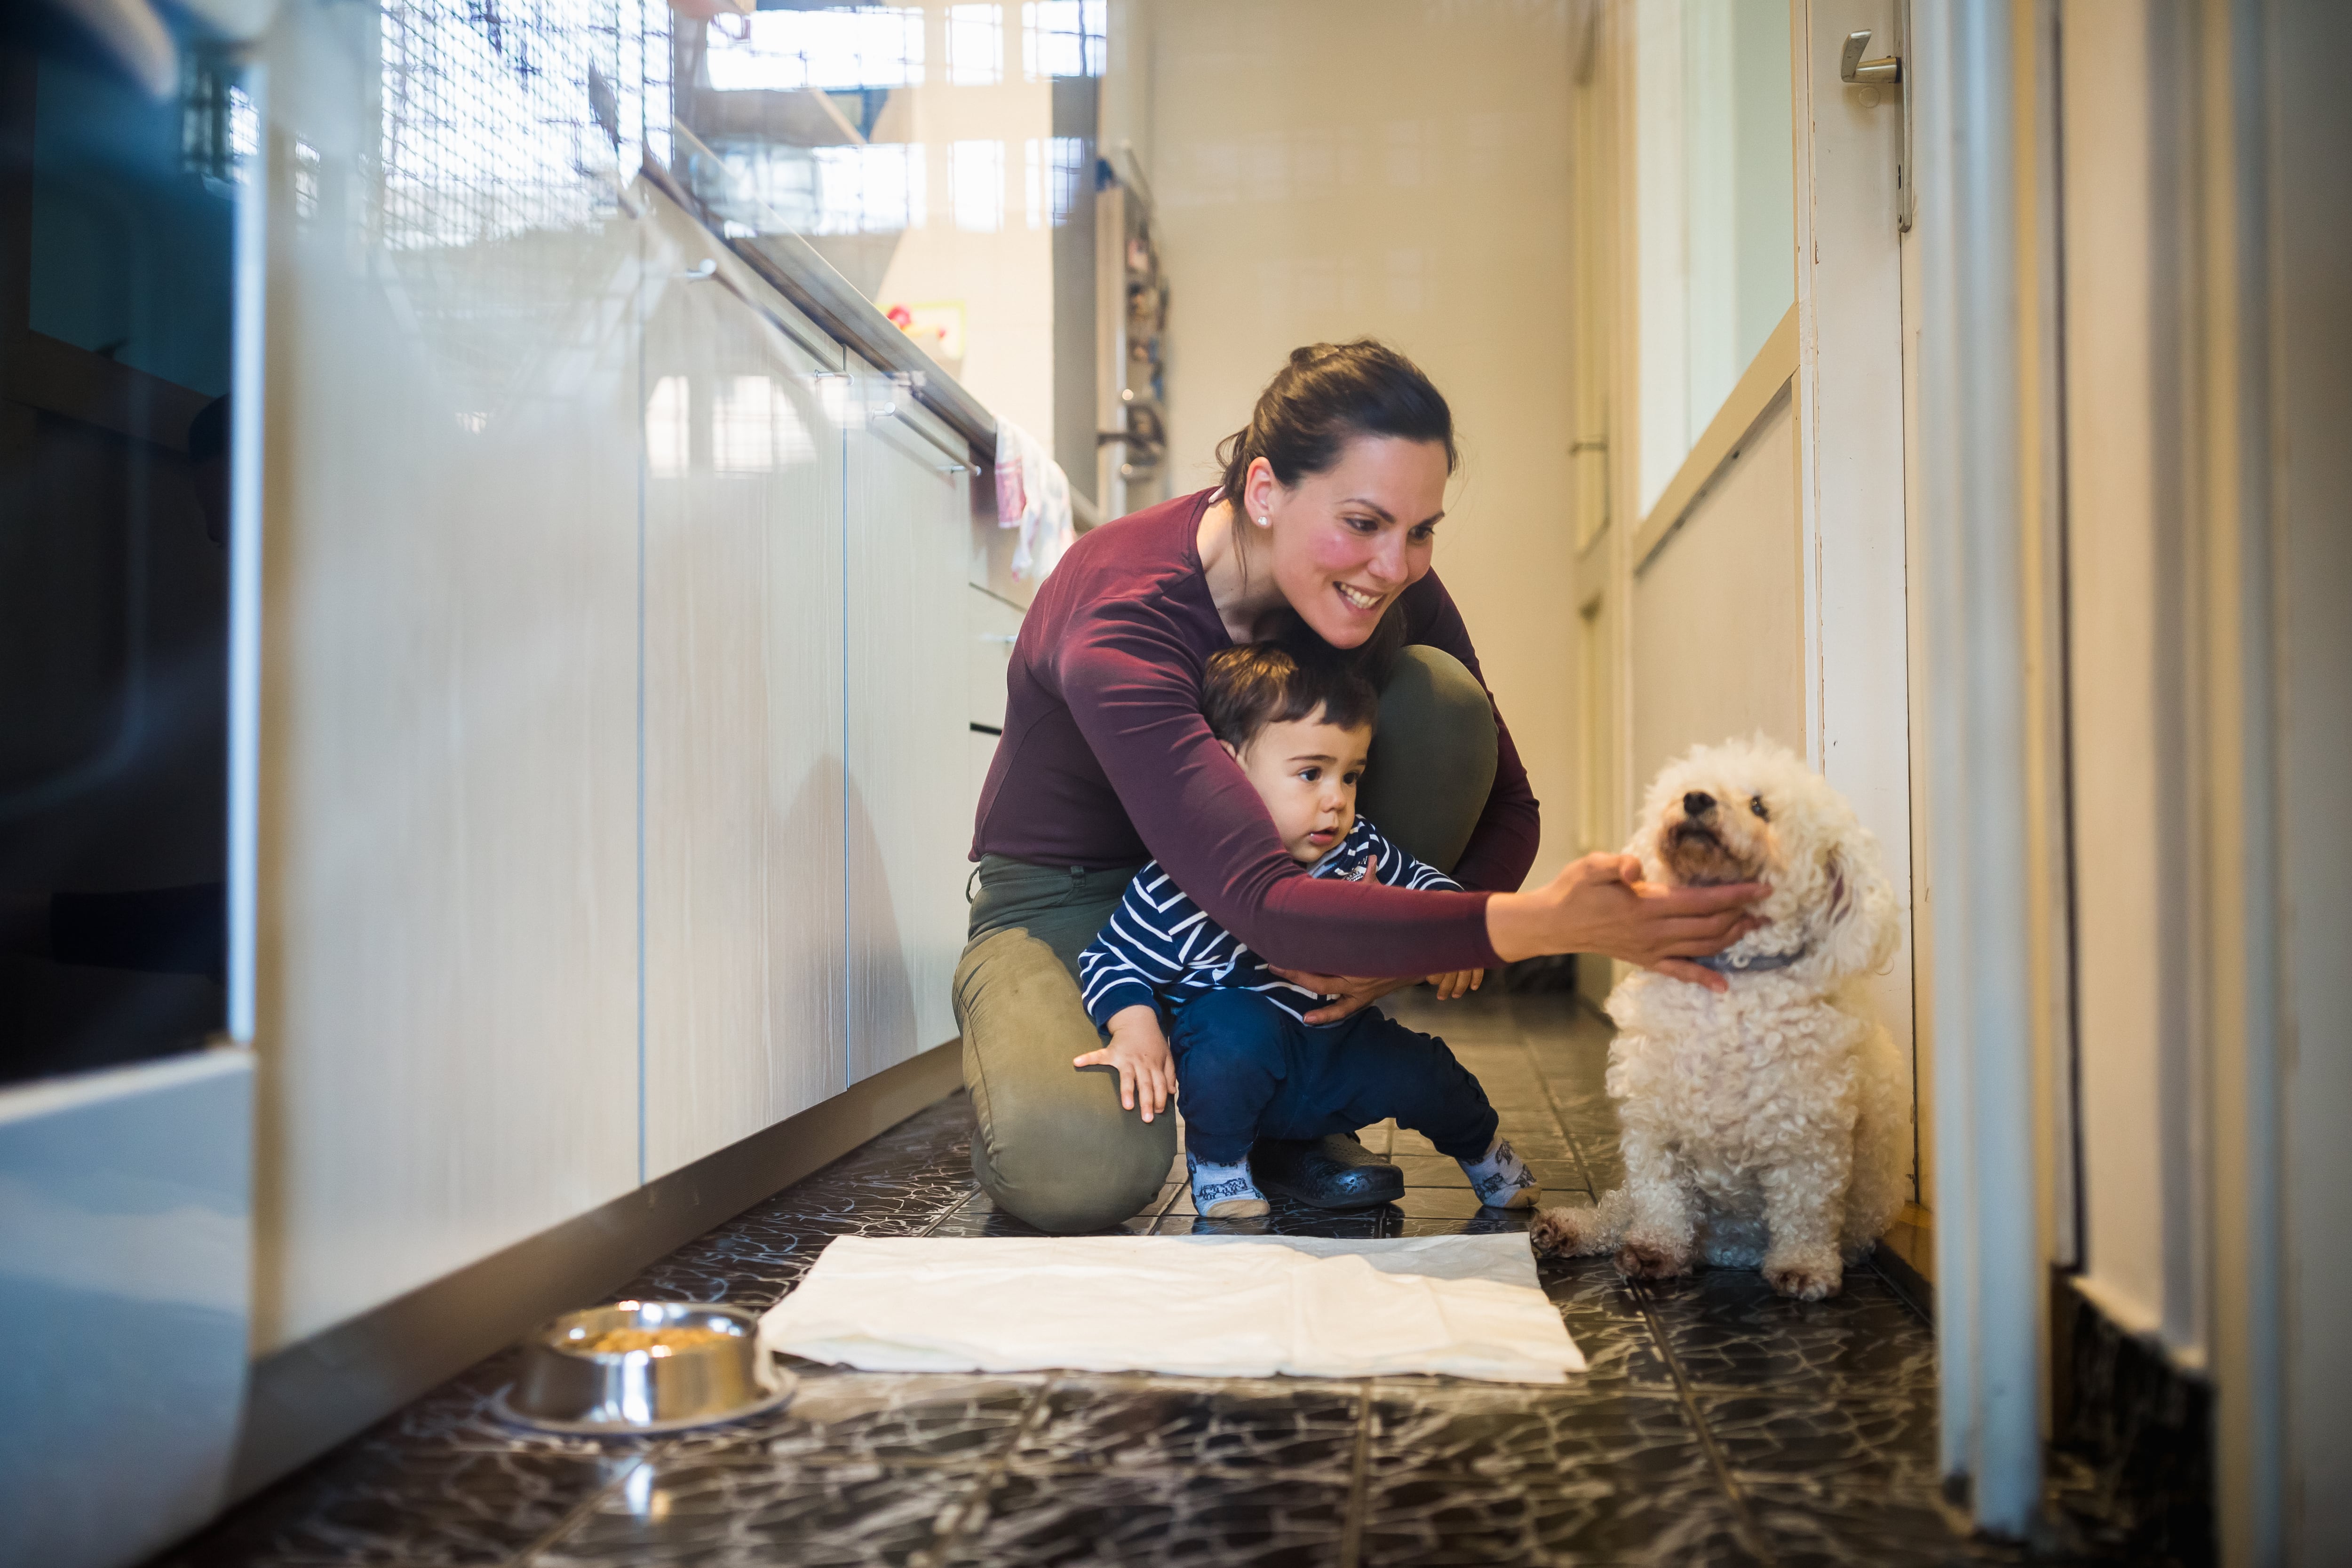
{"points": [[1752, 963]]}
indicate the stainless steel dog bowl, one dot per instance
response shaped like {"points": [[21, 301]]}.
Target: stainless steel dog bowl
{"points": [[712, 1368]]}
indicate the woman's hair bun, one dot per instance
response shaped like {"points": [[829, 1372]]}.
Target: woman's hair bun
{"points": [[1326, 396]]}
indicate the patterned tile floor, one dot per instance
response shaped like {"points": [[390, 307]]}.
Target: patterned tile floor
{"points": [[1718, 1424]]}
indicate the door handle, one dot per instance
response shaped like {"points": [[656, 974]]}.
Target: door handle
{"points": [[1855, 71]]}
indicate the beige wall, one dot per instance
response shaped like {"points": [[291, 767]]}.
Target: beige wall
{"points": [[2124, 491], [1329, 169], [1717, 650], [1002, 276]]}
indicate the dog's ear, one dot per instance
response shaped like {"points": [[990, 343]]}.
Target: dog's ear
{"points": [[1858, 923]]}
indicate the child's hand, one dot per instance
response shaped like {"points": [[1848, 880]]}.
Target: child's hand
{"points": [[1140, 1051], [1458, 983]]}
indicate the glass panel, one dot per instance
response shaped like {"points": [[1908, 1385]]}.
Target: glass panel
{"points": [[115, 322], [940, 156], [1716, 211], [497, 122]]}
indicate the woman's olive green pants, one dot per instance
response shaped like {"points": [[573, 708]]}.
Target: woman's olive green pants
{"points": [[1053, 1146]]}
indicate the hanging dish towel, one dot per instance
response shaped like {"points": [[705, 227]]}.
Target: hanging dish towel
{"points": [[1469, 1306], [1033, 495]]}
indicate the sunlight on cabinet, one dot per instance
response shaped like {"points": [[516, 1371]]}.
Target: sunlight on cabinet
{"points": [[447, 970], [907, 746], [744, 958]]}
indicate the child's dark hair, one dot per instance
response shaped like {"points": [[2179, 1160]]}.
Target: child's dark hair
{"points": [[1259, 683]]}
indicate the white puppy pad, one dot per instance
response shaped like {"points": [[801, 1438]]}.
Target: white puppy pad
{"points": [[1208, 1306]]}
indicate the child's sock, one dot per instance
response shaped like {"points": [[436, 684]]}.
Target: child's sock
{"points": [[1500, 1178], [1223, 1192]]}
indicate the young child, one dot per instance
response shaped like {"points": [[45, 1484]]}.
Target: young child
{"points": [[1247, 1064]]}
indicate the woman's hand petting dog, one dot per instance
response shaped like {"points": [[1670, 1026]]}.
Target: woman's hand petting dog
{"points": [[1139, 1050], [1601, 904]]}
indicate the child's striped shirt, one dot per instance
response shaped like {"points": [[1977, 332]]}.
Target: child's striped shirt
{"points": [[1160, 949]]}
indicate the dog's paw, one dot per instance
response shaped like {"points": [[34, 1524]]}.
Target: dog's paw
{"points": [[1566, 1232], [1811, 1280], [1648, 1261]]}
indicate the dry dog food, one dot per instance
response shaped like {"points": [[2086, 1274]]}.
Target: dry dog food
{"points": [[613, 1341]]}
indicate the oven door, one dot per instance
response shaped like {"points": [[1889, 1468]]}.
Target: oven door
{"points": [[126, 1089]]}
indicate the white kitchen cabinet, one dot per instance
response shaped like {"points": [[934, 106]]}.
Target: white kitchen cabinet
{"points": [[616, 765], [992, 623], [745, 966], [908, 733], [447, 984]]}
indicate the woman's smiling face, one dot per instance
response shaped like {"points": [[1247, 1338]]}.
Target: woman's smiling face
{"points": [[1342, 544]]}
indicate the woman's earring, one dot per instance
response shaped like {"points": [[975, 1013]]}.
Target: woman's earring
{"points": [[1266, 522]]}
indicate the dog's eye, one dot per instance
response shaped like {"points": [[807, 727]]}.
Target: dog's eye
{"points": [[1756, 804]]}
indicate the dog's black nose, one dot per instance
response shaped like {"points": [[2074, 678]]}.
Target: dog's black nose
{"points": [[1697, 804]]}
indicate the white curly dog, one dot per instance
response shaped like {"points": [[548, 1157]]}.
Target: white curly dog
{"points": [[1764, 1126]]}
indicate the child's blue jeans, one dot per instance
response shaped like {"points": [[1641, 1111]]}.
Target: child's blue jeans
{"points": [[1248, 1070]]}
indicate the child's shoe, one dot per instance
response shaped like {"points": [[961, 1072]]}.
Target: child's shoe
{"points": [[1223, 1192], [1500, 1178]]}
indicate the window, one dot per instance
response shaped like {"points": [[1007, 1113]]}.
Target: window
{"points": [[1073, 168], [489, 119], [844, 190], [834, 51], [940, 157], [977, 185], [975, 44], [1716, 212], [754, 428], [1064, 38], [666, 428]]}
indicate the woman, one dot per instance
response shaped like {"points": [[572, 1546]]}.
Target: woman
{"points": [[1324, 525]]}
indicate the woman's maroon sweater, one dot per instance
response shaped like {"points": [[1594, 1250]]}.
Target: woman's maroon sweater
{"points": [[1105, 761]]}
